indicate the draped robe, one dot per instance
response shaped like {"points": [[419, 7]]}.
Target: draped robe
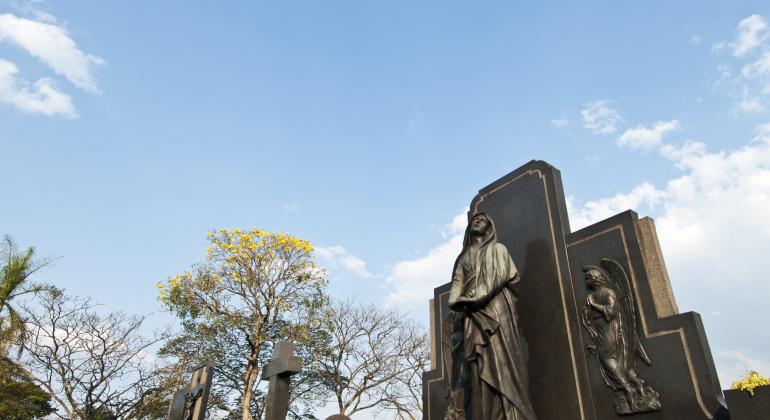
{"points": [[493, 346]]}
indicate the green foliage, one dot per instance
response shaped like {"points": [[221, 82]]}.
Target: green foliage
{"points": [[253, 289], [20, 397], [15, 269], [750, 381]]}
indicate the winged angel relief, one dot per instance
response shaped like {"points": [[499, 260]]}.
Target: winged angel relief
{"points": [[609, 316]]}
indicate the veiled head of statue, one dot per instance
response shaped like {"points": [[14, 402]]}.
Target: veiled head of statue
{"points": [[480, 225]]}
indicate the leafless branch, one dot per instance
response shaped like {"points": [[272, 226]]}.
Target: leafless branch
{"points": [[377, 360], [90, 362]]}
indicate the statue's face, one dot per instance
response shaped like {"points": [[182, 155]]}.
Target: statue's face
{"points": [[479, 224], [593, 279]]}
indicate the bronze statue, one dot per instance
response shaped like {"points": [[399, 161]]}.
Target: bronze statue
{"points": [[609, 316], [489, 355]]}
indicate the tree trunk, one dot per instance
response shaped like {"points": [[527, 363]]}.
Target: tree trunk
{"points": [[248, 393]]}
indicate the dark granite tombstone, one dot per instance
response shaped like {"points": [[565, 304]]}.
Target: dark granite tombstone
{"points": [[279, 372], [190, 403], [744, 406], [567, 380], [338, 417]]}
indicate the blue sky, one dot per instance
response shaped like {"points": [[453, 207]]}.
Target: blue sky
{"points": [[130, 129]]}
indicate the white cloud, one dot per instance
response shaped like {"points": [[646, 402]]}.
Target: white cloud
{"points": [[749, 84], [758, 68], [696, 39], [460, 221], [718, 192], [33, 8], [752, 32], [413, 280], [290, 207], [41, 98], [644, 194], [561, 122], [52, 45], [337, 256], [762, 133], [750, 102], [647, 137], [599, 117]]}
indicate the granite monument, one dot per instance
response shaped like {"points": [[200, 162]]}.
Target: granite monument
{"points": [[582, 325]]}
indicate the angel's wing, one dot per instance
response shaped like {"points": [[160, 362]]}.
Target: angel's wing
{"points": [[622, 288]]}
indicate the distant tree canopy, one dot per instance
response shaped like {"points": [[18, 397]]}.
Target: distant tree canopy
{"points": [[20, 397], [254, 288]]}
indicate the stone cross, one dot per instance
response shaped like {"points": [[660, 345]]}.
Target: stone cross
{"points": [[279, 372], [190, 403]]}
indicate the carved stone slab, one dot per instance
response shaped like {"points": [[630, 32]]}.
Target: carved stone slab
{"points": [[529, 210]]}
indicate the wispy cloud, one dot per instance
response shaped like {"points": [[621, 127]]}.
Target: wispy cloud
{"points": [[600, 117], [751, 33], [643, 196], [52, 45], [416, 121], [412, 280], [647, 137], [34, 8], [337, 256], [290, 207], [747, 77], [561, 122], [43, 97]]}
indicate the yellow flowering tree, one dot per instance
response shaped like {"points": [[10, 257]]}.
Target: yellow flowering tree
{"points": [[752, 380], [254, 287]]}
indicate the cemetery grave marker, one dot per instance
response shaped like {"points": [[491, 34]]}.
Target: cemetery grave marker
{"points": [[279, 372], [190, 403]]}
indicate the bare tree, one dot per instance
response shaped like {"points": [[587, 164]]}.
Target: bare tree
{"points": [[94, 366], [226, 348], [376, 361], [404, 397]]}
